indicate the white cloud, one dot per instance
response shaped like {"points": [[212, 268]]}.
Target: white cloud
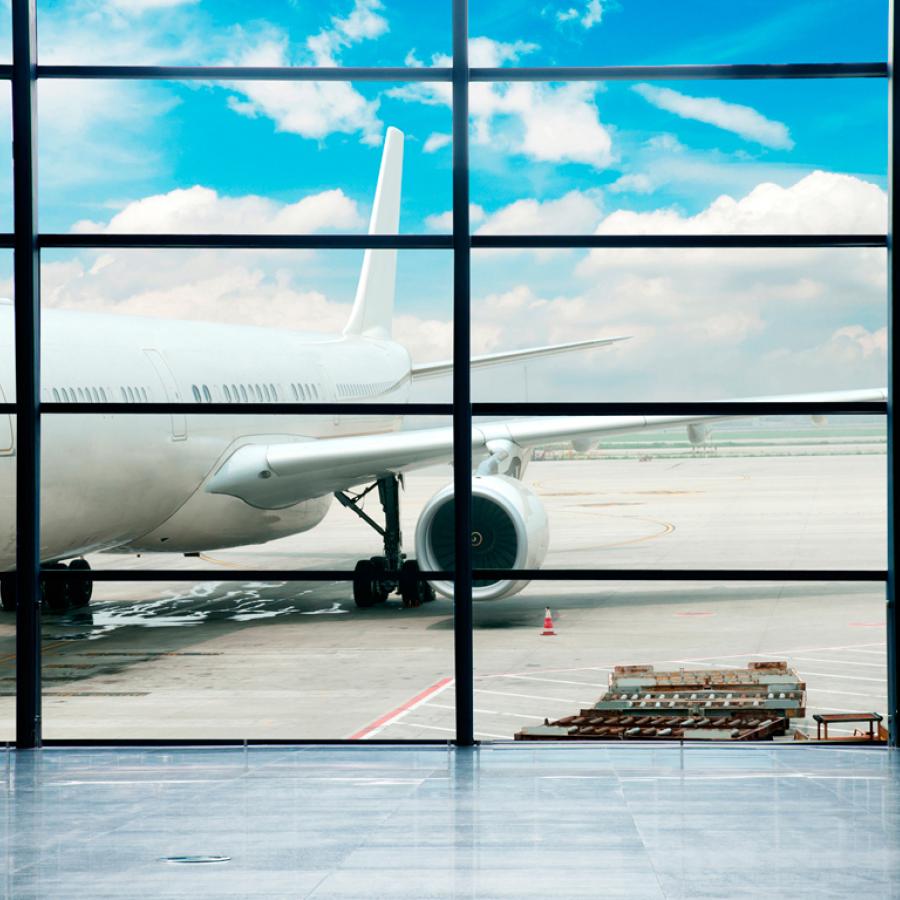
{"points": [[312, 109], [436, 141], [706, 324], [589, 17], [202, 210], [544, 122], [444, 221], [632, 183], [362, 24], [741, 120], [576, 212]]}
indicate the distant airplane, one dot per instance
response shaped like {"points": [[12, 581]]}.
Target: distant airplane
{"points": [[182, 483]]}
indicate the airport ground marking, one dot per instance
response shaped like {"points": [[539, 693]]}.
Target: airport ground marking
{"points": [[775, 653], [502, 737], [840, 675], [838, 662], [554, 680], [531, 696], [873, 695], [395, 715], [489, 712]]}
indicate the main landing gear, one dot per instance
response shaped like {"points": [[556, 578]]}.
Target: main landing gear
{"points": [[375, 578], [58, 594]]}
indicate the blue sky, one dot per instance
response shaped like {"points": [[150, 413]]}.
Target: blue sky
{"points": [[577, 157]]}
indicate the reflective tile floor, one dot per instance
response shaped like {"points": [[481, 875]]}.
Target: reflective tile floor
{"points": [[502, 821]]}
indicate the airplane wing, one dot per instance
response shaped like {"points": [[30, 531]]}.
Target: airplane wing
{"points": [[436, 370], [278, 475]]}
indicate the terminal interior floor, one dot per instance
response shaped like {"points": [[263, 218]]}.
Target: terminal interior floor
{"points": [[498, 821]]}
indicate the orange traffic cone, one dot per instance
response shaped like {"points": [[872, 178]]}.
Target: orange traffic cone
{"points": [[548, 623]]}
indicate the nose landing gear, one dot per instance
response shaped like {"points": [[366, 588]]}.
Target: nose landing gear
{"points": [[374, 579]]}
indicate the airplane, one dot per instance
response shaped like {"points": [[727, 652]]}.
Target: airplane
{"points": [[190, 483]]}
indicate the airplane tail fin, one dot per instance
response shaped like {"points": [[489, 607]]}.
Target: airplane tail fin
{"points": [[373, 307]]}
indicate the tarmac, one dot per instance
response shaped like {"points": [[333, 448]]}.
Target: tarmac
{"points": [[275, 660]]}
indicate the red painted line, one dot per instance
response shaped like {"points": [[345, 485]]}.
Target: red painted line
{"points": [[387, 718]]}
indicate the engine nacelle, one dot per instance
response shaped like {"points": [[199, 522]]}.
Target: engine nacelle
{"points": [[509, 531]]}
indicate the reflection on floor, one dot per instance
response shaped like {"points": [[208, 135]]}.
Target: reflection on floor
{"points": [[600, 821]]}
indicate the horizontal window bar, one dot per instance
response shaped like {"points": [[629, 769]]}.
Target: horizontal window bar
{"points": [[238, 743], [500, 408], [249, 409], [866, 575], [679, 73], [686, 408], [445, 241], [250, 73], [247, 241], [620, 241], [346, 575], [436, 73], [131, 575]]}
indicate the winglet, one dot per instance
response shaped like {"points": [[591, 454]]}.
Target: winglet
{"points": [[373, 307]]}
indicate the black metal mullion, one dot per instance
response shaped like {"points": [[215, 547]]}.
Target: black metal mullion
{"points": [[248, 409], [27, 343], [462, 399], [726, 71], [676, 241], [893, 286], [245, 73], [599, 575]]}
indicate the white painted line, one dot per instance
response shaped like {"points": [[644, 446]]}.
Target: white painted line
{"points": [[774, 654], [489, 712], [880, 652], [400, 712], [556, 681], [502, 737], [838, 662], [817, 690], [848, 677], [533, 696]]}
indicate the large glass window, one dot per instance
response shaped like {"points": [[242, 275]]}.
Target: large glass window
{"points": [[253, 394]]}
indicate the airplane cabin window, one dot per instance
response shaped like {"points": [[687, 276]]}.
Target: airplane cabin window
{"points": [[55, 395], [274, 391], [265, 390], [130, 393], [196, 392], [206, 394], [259, 395], [315, 391], [95, 395], [227, 393], [80, 394], [294, 392], [145, 395], [243, 394], [102, 395]]}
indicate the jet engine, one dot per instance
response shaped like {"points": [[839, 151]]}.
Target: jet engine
{"points": [[509, 531]]}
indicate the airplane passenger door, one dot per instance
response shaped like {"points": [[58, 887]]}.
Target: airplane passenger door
{"points": [[173, 394], [6, 435]]}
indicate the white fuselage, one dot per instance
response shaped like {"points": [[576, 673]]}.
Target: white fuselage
{"points": [[134, 482]]}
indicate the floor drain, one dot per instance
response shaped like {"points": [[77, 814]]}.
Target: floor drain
{"points": [[194, 859]]}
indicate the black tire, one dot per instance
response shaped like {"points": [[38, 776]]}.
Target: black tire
{"points": [[8, 592], [55, 591], [368, 585], [413, 590], [80, 589]]}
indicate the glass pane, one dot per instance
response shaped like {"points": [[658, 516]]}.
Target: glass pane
{"points": [[255, 657], [273, 318], [654, 32], [699, 324], [231, 32], [7, 505], [831, 635], [693, 157], [254, 157]]}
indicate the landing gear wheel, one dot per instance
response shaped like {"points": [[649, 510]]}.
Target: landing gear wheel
{"points": [[55, 591], [413, 591], [80, 589], [368, 582], [8, 592]]}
